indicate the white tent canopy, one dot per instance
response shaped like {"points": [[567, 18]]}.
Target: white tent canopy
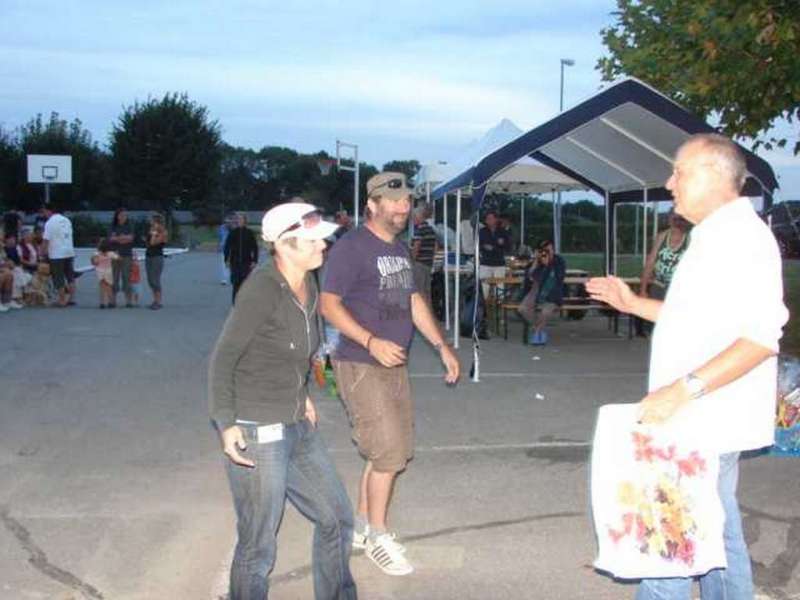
{"points": [[525, 176]]}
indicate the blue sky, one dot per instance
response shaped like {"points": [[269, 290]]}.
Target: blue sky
{"points": [[408, 79]]}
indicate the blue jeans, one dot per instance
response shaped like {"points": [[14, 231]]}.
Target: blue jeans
{"points": [[299, 468], [733, 583]]}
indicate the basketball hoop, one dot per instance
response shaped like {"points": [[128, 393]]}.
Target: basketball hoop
{"points": [[325, 165]]}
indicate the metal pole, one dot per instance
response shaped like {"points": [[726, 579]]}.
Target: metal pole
{"points": [[644, 230], [446, 271], [616, 239], [456, 321], [561, 96], [655, 221], [356, 185], [555, 217], [47, 193], [428, 199], [636, 229], [522, 220], [609, 243]]}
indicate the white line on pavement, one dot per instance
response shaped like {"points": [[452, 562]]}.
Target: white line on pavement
{"points": [[605, 374], [485, 447]]}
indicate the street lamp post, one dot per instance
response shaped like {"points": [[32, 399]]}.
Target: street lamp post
{"points": [[565, 62]]}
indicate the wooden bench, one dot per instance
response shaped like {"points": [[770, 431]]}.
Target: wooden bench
{"points": [[571, 304]]}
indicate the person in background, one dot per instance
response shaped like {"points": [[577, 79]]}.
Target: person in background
{"points": [[103, 267], [38, 242], [12, 223], [267, 422], [222, 236], [121, 238], [9, 277], [157, 238], [544, 289], [494, 244], [505, 223], [26, 249], [41, 219], [61, 255], [662, 260], [6, 282], [136, 280], [241, 253], [345, 223], [423, 248]]}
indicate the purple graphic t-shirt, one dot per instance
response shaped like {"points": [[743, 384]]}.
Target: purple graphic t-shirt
{"points": [[375, 281]]}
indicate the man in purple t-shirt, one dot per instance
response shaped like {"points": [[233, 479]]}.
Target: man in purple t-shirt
{"points": [[369, 295]]}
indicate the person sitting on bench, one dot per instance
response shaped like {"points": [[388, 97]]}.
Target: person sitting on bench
{"points": [[544, 288]]}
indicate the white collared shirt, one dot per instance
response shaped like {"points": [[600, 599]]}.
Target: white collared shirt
{"points": [[727, 286]]}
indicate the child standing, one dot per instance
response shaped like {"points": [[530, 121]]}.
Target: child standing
{"points": [[102, 266], [136, 278]]}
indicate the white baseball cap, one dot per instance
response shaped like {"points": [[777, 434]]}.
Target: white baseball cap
{"points": [[295, 219]]}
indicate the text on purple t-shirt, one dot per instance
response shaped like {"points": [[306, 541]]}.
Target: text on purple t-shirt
{"points": [[375, 281]]}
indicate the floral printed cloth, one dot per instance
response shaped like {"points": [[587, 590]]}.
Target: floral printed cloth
{"points": [[655, 503]]}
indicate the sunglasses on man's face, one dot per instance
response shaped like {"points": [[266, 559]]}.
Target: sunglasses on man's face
{"points": [[392, 184], [307, 221]]}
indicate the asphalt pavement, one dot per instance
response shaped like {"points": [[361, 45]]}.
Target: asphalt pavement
{"points": [[112, 486]]}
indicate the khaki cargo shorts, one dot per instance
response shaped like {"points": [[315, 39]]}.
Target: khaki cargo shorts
{"points": [[381, 412]]}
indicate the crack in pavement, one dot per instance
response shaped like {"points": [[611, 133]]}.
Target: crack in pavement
{"points": [[305, 571], [39, 560]]}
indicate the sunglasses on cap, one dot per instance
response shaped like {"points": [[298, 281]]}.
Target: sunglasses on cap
{"points": [[307, 221], [392, 184]]}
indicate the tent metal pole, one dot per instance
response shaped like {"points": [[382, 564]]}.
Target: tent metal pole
{"points": [[555, 218], [616, 239], [446, 269], [608, 243], [644, 229], [428, 200], [456, 296], [655, 221], [523, 197], [557, 226]]}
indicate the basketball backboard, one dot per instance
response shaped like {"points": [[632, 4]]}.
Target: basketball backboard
{"points": [[49, 168]]}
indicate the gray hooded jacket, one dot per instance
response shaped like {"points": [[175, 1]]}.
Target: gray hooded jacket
{"points": [[260, 365]]}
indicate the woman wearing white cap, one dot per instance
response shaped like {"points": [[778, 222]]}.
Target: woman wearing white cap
{"points": [[259, 403]]}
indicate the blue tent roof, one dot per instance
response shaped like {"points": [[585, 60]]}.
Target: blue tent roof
{"points": [[619, 142]]}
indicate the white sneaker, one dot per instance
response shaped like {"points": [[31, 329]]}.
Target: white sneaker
{"points": [[15, 304], [4, 308], [388, 554]]}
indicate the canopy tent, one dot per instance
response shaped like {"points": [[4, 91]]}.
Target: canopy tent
{"points": [[619, 143]]}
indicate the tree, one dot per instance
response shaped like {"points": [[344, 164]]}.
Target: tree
{"points": [[734, 58], [91, 175], [166, 154], [408, 167], [10, 159]]}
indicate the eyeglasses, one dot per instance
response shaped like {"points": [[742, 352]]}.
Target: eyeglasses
{"points": [[307, 221], [392, 184]]}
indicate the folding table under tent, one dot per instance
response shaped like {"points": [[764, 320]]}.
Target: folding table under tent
{"points": [[619, 143]]}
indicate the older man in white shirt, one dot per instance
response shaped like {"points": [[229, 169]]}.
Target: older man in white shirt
{"points": [[713, 364]]}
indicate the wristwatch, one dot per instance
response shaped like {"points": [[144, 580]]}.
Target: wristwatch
{"points": [[695, 386]]}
